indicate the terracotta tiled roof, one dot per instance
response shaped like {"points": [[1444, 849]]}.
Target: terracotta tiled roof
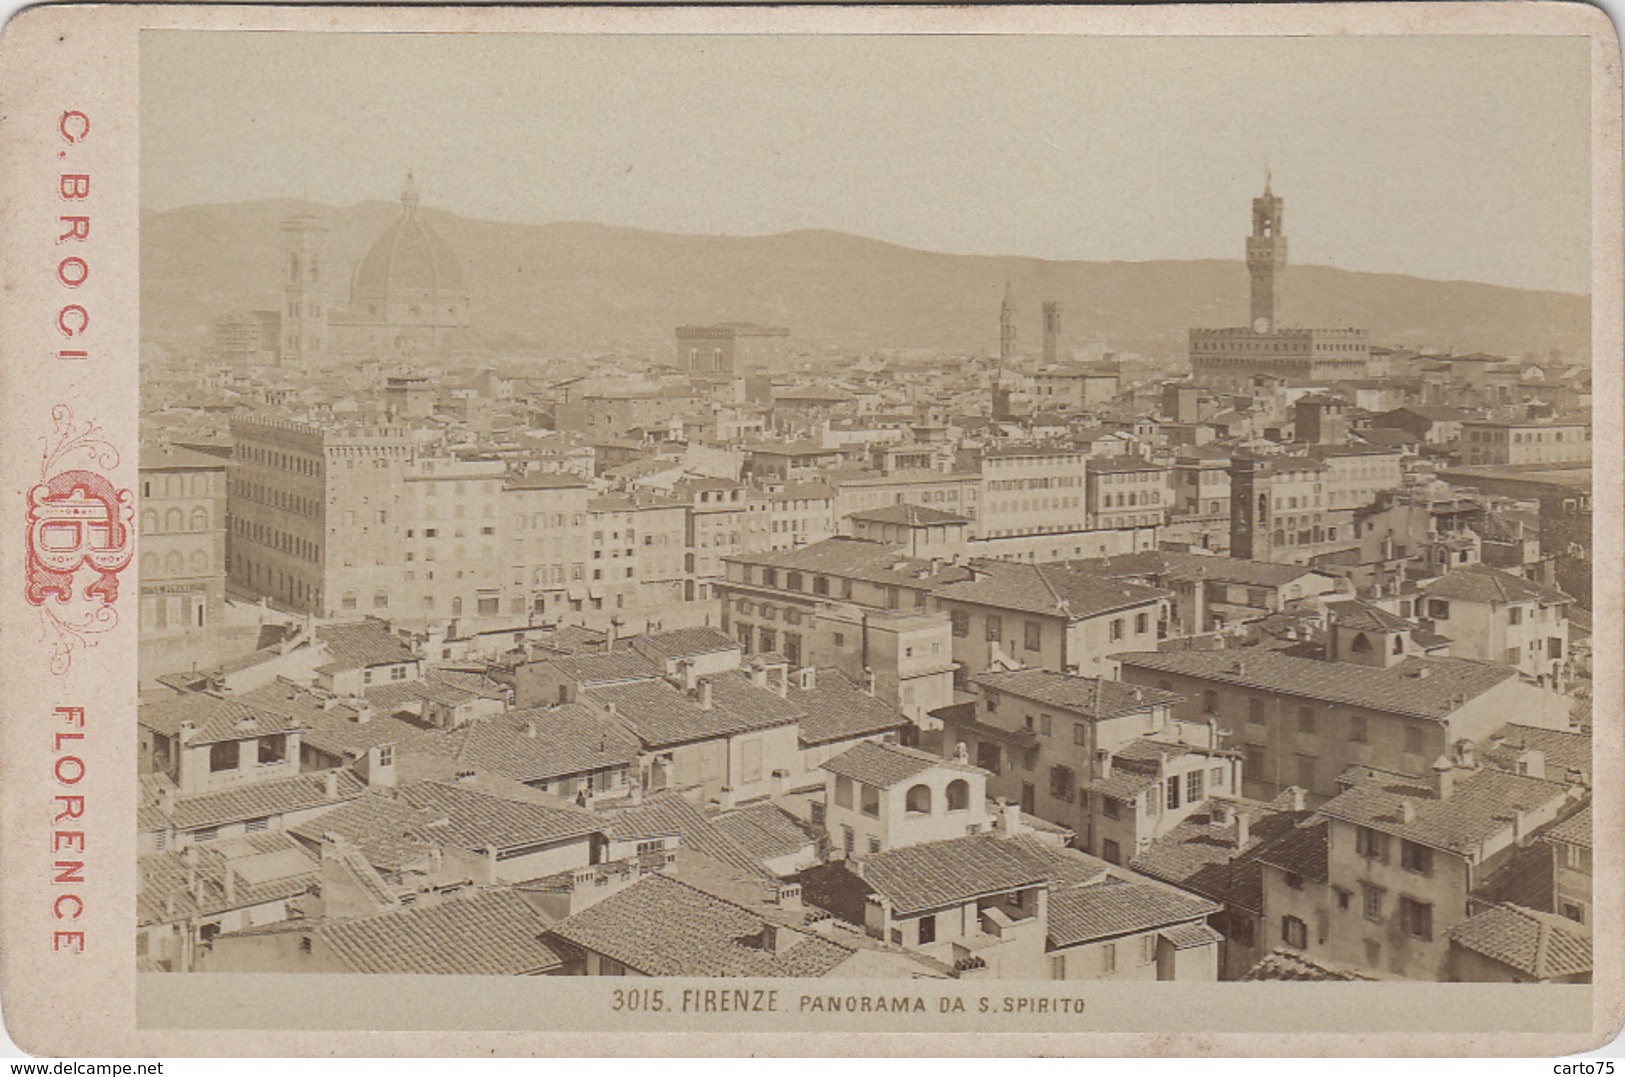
{"points": [[931, 875], [885, 765], [596, 669], [1562, 749], [1302, 850], [1190, 936], [1478, 807], [213, 718], [1395, 690], [1093, 697], [1524, 875], [361, 644], [662, 927], [1538, 944], [1363, 616], [764, 831], [836, 709], [909, 515], [1050, 590], [264, 799], [570, 738], [662, 716], [493, 933], [1484, 584], [1295, 965], [1575, 830], [390, 833], [683, 642], [270, 867], [1201, 853], [1170, 564], [1090, 913], [666, 814], [477, 820]]}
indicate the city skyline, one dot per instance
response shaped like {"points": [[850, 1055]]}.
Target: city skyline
{"points": [[1015, 175]]}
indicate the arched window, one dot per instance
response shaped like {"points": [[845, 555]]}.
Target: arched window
{"points": [[457, 606], [174, 520], [1399, 644], [200, 562], [174, 564], [919, 800], [380, 600], [149, 565], [200, 519], [958, 794], [149, 522], [1361, 645], [349, 600]]}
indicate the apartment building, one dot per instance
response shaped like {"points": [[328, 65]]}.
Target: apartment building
{"points": [[1495, 616], [1515, 443], [183, 552]]}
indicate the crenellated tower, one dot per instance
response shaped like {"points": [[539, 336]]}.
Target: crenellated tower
{"points": [[1266, 256]]}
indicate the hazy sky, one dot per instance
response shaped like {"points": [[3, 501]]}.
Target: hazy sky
{"points": [[1444, 157]]}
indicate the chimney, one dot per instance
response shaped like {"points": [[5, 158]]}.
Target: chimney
{"points": [[689, 675], [776, 782], [582, 878], [186, 731], [1407, 810], [609, 707], [777, 939], [1299, 798], [1008, 823], [868, 681], [1444, 778], [1244, 829], [758, 676], [788, 896], [634, 794], [705, 695], [230, 880], [1103, 762], [1532, 762], [363, 713], [961, 753], [331, 784], [166, 798], [809, 679], [1520, 825], [190, 856], [784, 682], [466, 775], [530, 728]]}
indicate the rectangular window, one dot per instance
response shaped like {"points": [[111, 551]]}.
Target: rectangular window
{"points": [[1115, 632], [928, 929], [1371, 903], [1080, 733], [1148, 949], [1173, 793], [223, 755], [1033, 635], [1416, 858], [1108, 957], [1371, 844], [843, 791], [273, 749], [254, 826], [1413, 740], [874, 846], [1306, 720], [961, 623], [1357, 728], [1109, 807], [1193, 787], [1142, 623], [1294, 932], [870, 797], [1057, 967], [849, 840], [1255, 711], [995, 629], [1438, 609], [1416, 919]]}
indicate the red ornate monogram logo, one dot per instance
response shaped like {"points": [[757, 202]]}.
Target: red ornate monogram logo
{"points": [[80, 529]]}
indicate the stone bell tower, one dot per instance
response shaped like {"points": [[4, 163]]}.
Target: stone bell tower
{"points": [[1266, 256], [304, 308]]}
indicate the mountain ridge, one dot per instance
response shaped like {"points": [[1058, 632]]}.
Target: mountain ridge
{"points": [[573, 287]]}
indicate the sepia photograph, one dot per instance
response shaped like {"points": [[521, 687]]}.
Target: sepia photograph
{"points": [[1060, 531], [709, 507]]}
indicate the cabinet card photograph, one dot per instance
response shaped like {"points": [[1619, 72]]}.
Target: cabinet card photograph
{"points": [[1069, 531]]}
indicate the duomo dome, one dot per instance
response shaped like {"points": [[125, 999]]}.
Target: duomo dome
{"points": [[410, 275]]}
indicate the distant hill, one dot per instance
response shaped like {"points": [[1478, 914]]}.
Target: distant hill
{"points": [[571, 288]]}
